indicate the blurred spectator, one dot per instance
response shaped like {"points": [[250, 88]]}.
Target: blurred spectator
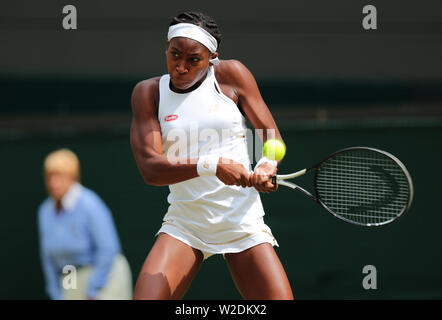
{"points": [[76, 230]]}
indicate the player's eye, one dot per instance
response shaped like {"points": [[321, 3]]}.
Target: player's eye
{"points": [[174, 54], [196, 59]]}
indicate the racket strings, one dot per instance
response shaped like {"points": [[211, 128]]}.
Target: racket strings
{"points": [[363, 186]]}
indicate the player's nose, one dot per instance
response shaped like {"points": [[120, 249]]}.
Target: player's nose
{"points": [[181, 68]]}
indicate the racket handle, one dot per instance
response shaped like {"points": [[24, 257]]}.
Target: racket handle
{"points": [[274, 180]]}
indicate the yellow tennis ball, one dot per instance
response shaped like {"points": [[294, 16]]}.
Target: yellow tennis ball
{"points": [[274, 149]]}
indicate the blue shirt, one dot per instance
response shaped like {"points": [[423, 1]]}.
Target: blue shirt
{"points": [[83, 233]]}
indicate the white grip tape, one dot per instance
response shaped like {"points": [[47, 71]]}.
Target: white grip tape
{"points": [[207, 165]]}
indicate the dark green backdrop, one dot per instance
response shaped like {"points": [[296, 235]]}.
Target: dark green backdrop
{"points": [[312, 58], [323, 256]]}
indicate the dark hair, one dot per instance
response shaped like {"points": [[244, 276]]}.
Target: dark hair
{"points": [[200, 19]]}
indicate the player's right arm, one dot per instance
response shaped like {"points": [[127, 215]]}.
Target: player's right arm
{"points": [[145, 138]]}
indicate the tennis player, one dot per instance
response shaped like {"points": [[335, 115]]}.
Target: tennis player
{"points": [[198, 109]]}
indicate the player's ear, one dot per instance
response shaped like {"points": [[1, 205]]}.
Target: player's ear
{"points": [[212, 56]]}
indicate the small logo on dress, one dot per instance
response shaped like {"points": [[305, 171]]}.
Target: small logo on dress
{"points": [[171, 117], [206, 165]]}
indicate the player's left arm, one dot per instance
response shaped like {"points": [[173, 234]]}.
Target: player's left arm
{"points": [[256, 110]]}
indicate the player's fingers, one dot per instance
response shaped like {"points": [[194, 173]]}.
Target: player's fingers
{"points": [[274, 183], [247, 180], [230, 181], [265, 186], [243, 181], [255, 182], [254, 179], [272, 187], [269, 187], [260, 184], [264, 179]]}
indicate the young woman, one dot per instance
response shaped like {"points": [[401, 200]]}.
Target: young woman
{"points": [[215, 207]]}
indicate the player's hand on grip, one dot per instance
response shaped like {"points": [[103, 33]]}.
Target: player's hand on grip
{"points": [[232, 173], [261, 178]]}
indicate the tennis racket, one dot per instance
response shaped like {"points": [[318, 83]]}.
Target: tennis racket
{"points": [[359, 185]]}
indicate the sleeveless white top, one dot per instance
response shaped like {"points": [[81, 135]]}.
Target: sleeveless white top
{"points": [[204, 212]]}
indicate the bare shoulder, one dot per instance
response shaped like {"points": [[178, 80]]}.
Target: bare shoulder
{"points": [[145, 94], [230, 65], [232, 72], [147, 87], [236, 76]]}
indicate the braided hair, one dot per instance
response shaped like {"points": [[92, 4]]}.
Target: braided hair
{"points": [[199, 19]]}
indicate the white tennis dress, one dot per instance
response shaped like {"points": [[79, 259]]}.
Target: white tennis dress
{"points": [[205, 213]]}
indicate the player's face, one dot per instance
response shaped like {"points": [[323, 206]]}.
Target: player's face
{"points": [[58, 183], [187, 62]]}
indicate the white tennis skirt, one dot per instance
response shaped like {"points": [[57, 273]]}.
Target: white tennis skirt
{"points": [[243, 239]]}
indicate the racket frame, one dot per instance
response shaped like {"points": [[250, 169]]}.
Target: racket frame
{"points": [[280, 179]]}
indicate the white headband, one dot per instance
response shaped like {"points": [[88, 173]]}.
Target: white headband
{"points": [[194, 32]]}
